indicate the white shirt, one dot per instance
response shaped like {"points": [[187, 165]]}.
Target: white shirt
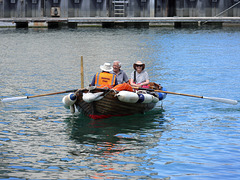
{"points": [[140, 77]]}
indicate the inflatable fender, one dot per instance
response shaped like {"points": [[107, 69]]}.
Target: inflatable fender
{"points": [[160, 95], [155, 99], [90, 97], [69, 100], [145, 98], [128, 97]]}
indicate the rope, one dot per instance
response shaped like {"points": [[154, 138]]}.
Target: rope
{"points": [[225, 10]]}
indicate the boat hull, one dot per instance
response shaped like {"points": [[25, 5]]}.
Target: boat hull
{"points": [[110, 106]]}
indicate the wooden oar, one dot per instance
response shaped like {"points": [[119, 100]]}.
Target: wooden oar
{"points": [[222, 100], [28, 97]]}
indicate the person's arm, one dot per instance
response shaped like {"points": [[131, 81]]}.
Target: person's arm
{"points": [[93, 81], [144, 83], [125, 77], [147, 79], [134, 84], [116, 82]]}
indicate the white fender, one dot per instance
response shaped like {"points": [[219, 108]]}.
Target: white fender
{"points": [[155, 99], [148, 98], [90, 97], [69, 100], [127, 96]]}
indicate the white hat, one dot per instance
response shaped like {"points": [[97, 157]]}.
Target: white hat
{"points": [[106, 67]]}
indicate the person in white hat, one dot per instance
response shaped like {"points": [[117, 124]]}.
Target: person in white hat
{"points": [[139, 77], [105, 78]]}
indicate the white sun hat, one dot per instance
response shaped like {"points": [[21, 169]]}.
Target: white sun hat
{"points": [[106, 67]]}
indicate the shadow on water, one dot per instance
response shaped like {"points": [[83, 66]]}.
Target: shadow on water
{"points": [[107, 134]]}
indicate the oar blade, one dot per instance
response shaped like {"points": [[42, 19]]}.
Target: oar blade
{"points": [[223, 100], [6, 100]]}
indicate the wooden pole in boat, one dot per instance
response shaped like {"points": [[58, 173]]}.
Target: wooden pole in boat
{"points": [[82, 75]]}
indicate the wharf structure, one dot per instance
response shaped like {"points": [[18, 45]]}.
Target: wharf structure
{"points": [[110, 13]]}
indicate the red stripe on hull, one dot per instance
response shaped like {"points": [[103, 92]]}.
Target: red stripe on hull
{"points": [[105, 116]]}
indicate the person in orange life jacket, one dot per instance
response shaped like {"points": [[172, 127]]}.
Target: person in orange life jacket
{"points": [[120, 74], [105, 77], [139, 77]]}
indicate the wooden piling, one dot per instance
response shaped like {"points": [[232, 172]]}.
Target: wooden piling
{"points": [[82, 75]]}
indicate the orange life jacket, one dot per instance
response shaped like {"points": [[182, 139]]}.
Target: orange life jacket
{"points": [[123, 87], [105, 78]]}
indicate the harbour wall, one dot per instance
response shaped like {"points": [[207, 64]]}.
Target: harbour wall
{"points": [[117, 8], [13, 10]]}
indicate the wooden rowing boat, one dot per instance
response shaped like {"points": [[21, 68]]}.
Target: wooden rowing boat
{"points": [[104, 102], [109, 106]]}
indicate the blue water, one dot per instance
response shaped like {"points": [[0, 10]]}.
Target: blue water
{"points": [[182, 138]]}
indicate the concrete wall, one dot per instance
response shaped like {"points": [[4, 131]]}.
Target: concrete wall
{"points": [[105, 8]]}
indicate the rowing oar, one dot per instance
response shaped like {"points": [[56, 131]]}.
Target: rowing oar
{"points": [[28, 97], [222, 100]]}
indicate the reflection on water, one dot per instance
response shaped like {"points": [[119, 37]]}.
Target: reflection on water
{"points": [[122, 140], [116, 131]]}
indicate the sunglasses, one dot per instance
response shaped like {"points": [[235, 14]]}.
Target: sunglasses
{"points": [[139, 65]]}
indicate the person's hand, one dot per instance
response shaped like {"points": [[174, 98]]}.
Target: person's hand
{"points": [[139, 85]]}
